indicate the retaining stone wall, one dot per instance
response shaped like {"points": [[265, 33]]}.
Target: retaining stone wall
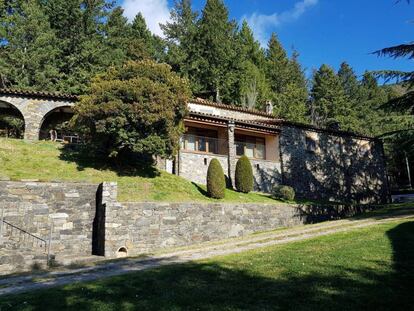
{"points": [[35, 206], [145, 227]]}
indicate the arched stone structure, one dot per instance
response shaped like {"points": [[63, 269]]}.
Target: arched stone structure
{"points": [[34, 106], [53, 119], [7, 109]]}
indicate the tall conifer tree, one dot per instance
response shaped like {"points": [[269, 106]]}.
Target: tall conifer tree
{"points": [[29, 59]]}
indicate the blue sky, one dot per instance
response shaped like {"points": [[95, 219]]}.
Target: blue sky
{"points": [[323, 31]]}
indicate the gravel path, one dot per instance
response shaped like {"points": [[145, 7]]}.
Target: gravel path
{"points": [[14, 285]]}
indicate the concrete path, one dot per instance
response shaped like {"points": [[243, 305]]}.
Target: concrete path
{"points": [[18, 284]]}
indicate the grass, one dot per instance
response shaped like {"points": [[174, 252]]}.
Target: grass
{"points": [[365, 269], [45, 161]]}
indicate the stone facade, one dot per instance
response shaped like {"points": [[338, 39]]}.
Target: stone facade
{"points": [[34, 110], [194, 166], [323, 166]]}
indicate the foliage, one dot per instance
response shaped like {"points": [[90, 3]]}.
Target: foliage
{"points": [[283, 192], [29, 59], [216, 182], [328, 100], [13, 125], [135, 110], [216, 58], [244, 175]]}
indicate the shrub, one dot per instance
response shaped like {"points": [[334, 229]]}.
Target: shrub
{"points": [[244, 175], [216, 183], [283, 192]]}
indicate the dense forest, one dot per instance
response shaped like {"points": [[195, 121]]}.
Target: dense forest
{"points": [[60, 45]]}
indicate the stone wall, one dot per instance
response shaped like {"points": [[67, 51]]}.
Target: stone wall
{"points": [[327, 167], [68, 209], [193, 166], [266, 174], [145, 227], [87, 219], [34, 111]]}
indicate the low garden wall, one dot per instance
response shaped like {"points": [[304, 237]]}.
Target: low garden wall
{"points": [[86, 219], [144, 227], [66, 210]]}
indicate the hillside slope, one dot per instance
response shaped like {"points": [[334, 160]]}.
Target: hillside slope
{"points": [[47, 162]]}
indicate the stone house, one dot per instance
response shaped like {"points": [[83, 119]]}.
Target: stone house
{"points": [[318, 163]]}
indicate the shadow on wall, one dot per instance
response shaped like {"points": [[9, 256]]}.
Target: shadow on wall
{"points": [[332, 168], [213, 286], [265, 179], [86, 156], [314, 213]]}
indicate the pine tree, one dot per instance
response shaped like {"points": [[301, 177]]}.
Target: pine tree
{"points": [[118, 33], [216, 55], [180, 36], [29, 59], [143, 43], [349, 81], [277, 65], [328, 100], [79, 27], [252, 85], [291, 104]]}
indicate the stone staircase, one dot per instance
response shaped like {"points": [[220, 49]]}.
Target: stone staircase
{"points": [[20, 250]]}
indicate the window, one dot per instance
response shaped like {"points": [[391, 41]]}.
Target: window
{"points": [[200, 140], [251, 146]]}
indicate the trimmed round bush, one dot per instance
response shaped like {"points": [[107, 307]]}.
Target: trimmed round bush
{"points": [[216, 183], [244, 175], [283, 192]]}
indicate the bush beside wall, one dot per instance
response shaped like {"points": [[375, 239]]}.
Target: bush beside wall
{"points": [[244, 175], [283, 192], [216, 182]]}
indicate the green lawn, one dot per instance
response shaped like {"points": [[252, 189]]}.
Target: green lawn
{"points": [[46, 161], [365, 269]]}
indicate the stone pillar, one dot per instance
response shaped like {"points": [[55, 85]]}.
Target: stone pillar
{"points": [[231, 153], [31, 131]]}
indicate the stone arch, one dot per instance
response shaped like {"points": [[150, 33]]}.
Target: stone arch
{"points": [[54, 120], [34, 109], [8, 109]]}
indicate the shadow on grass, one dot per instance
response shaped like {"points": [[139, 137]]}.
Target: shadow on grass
{"points": [[86, 157], [212, 286], [200, 189]]}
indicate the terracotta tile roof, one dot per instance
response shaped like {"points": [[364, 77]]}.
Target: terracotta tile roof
{"points": [[231, 107], [272, 123], [38, 94], [201, 116]]}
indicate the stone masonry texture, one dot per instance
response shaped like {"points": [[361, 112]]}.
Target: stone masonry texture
{"points": [[34, 111]]}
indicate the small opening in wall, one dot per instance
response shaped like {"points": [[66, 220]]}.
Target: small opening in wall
{"points": [[205, 161], [122, 252], [258, 166]]}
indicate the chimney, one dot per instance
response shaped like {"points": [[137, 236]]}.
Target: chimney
{"points": [[269, 107]]}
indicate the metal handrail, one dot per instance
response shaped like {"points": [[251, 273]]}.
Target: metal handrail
{"points": [[40, 240]]}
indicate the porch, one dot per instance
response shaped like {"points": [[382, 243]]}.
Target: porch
{"points": [[227, 142]]}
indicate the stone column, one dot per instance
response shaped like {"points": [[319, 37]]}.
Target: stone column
{"points": [[231, 153]]}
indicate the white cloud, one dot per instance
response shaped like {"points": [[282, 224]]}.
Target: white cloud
{"points": [[154, 11], [260, 23]]}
